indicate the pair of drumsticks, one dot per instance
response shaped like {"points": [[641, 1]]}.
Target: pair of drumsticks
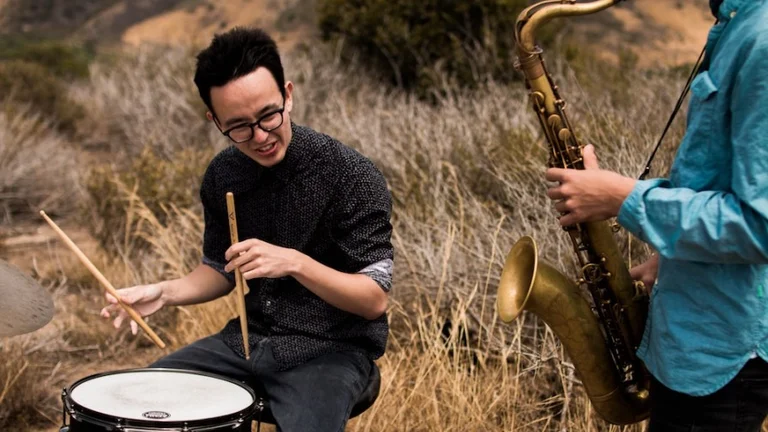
{"points": [[239, 281]]}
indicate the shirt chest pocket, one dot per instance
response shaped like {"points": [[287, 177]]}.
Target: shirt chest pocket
{"points": [[702, 106], [701, 148]]}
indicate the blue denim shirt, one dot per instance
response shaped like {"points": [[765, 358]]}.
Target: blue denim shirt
{"points": [[709, 220]]}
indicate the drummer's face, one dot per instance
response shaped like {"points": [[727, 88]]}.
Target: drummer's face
{"points": [[248, 99]]}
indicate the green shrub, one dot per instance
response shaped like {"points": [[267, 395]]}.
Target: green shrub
{"points": [[64, 60], [33, 84], [416, 42]]}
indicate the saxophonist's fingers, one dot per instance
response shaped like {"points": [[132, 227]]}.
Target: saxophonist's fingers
{"points": [[590, 158], [568, 219], [556, 174], [555, 193], [562, 206]]}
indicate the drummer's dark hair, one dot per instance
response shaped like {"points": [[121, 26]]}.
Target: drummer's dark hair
{"points": [[234, 54]]}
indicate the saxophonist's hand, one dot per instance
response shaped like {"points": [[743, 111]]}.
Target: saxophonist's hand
{"points": [[646, 272], [588, 195]]}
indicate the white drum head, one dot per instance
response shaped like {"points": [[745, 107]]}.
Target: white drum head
{"points": [[161, 395]]}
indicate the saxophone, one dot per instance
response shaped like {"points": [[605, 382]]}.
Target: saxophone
{"points": [[599, 331]]}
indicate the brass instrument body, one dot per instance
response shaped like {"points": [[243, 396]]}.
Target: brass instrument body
{"points": [[601, 333]]}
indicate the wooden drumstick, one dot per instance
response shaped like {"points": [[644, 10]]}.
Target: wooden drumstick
{"points": [[104, 282], [239, 281]]}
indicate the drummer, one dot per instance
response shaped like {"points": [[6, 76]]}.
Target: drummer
{"points": [[313, 217]]}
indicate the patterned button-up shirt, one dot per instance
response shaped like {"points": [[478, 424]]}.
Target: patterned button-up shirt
{"points": [[325, 200]]}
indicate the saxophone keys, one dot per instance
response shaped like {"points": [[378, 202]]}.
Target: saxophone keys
{"points": [[643, 394], [641, 291], [537, 98], [564, 135]]}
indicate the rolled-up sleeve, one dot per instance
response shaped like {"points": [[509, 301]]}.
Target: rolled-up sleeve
{"points": [[731, 226], [362, 229]]}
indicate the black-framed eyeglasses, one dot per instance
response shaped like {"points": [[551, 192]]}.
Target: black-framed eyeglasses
{"points": [[267, 123]]}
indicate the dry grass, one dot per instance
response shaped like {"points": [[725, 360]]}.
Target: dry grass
{"points": [[145, 100], [38, 168], [466, 173]]}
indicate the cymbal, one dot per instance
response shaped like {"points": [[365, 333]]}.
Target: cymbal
{"points": [[25, 306]]}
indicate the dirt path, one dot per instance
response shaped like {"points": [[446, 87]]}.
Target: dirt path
{"points": [[28, 242]]}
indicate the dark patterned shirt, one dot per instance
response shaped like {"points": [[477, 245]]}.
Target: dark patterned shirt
{"points": [[325, 200]]}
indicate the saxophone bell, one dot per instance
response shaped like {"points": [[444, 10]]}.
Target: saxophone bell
{"points": [[530, 284]]}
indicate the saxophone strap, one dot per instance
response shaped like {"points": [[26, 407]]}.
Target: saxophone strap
{"points": [[679, 104]]}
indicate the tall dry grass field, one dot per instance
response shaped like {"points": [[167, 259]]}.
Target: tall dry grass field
{"points": [[466, 173]]}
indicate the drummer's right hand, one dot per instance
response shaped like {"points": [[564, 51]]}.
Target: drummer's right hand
{"points": [[144, 299]]}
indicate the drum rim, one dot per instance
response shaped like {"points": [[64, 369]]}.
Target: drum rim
{"points": [[78, 410]]}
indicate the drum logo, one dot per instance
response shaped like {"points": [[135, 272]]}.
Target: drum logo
{"points": [[156, 415]]}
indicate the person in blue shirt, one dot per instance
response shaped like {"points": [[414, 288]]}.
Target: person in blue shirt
{"points": [[706, 338]]}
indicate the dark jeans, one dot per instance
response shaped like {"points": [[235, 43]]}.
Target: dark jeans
{"points": [[313, 397], [740, 406]]}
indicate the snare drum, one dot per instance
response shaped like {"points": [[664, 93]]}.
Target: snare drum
{"points": [[158, 399]]}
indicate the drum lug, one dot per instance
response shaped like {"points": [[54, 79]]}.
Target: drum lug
{"points": [[64, 410]]}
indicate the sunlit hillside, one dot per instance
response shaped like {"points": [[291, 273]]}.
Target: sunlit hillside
{"points": [[657, 31]]}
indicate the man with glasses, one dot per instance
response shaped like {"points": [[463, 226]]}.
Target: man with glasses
{"points": [[314, 216]]}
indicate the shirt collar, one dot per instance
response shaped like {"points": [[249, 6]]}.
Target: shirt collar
{"points": [[296, 155], [730, 8]]}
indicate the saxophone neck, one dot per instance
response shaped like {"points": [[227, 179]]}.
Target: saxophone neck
{"points": [[535, 16]]}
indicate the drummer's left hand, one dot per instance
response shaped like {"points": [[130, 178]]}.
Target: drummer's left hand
{"points": [[259, 259]]}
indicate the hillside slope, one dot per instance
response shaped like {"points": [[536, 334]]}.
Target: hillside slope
{"points": [[289, 21], [101, 20], [656, 31]]}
